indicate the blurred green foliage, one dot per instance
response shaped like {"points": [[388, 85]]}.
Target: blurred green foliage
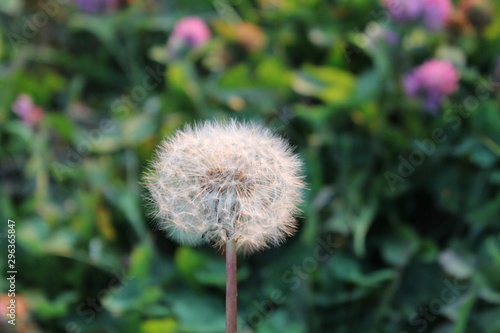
{"points": [[410, 200]]}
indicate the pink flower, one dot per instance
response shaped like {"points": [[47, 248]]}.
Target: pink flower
{"points": [[29, 113], [432, 81], [432, 13], [436, 13], [191, 32]]}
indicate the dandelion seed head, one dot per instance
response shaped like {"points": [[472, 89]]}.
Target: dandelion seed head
{"points": [[215, 182]]}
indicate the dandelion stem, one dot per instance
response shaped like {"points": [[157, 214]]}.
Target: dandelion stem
{"points": [[231, 287]]}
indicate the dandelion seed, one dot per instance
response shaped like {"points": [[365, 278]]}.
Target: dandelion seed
{"points": [[235, 185], [219, 182]]}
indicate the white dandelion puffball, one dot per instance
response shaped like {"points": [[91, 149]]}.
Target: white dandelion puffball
{"points": [[216, 182]]}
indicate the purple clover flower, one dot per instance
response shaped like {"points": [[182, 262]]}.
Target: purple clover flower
{"points": [[191, 32], [432, 82], [403, 10], [432, 13], [96, 6], [29, 113]]}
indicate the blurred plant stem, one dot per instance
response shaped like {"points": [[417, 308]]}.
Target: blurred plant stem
{"points": [[231, 287], [194, 88]]}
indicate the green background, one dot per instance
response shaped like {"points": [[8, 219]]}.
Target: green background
{"points": [[410, 200]]}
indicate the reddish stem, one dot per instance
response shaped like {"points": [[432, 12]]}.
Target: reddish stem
{"points": [[231, 287]]}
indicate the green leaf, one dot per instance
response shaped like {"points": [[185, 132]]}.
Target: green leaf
{"points": [[361, 224], [313, 113], [236, 77], [61, 124], [19, 130], [347, 269], [1, 44], [199, 267], [199, 313], [36, 236], [495, 177], [493, 146], [332, 85], [455, 265], [140, 261], [271, 72], [481, 155], [486, 213], [54, 308], [189, 261], [212, 274], [280, 321], [137, 129], [400, 246], [131, 295], [168, 325], [464, 312], [158, 53], [429, 250], [368, 86], [128, 202], [101, 26], [11, 7]]}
